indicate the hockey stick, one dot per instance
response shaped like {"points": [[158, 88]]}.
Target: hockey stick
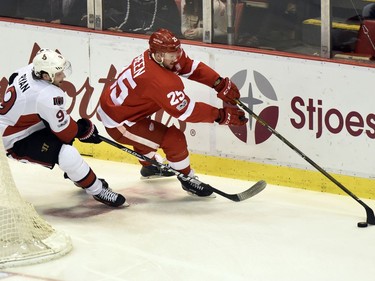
{"points": [[369, 211], [252, 191]]}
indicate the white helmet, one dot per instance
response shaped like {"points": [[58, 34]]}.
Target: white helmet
{"points": [[51, 62]]}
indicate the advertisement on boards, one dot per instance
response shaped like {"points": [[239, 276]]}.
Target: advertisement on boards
{"points": [[325, 109]]}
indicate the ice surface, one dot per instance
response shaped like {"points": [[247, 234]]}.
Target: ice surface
{"points": [[281, 234]]}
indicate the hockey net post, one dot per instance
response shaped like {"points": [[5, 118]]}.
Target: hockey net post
{"points": [[25, 237]]}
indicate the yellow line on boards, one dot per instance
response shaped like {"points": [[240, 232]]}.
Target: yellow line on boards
{"points": [[251, 171]]}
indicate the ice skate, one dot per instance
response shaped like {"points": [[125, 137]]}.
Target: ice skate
{"points": [[152, 172], [195, 190], [110, 198]]}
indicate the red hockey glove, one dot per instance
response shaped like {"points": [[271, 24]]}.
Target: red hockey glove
{"points": [[231, 116], [87, 132], [227, 91]]}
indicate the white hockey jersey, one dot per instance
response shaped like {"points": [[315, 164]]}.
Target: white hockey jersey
{"points": [[29, 104]]}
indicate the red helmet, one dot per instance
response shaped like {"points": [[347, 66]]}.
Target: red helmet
{"points": [[164, 41]]}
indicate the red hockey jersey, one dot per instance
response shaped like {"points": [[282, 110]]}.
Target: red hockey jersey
{"points": [[144, 87]]}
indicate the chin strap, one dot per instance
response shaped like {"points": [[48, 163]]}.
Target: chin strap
{"points": [[158, 62]]}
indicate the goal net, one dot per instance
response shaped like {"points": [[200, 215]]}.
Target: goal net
{"points": [[25, 238]]}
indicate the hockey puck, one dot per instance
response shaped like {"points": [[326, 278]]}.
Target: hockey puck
{"points": [[362, 224]]}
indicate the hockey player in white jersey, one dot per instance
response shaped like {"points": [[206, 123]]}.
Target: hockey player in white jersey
{"points": [[36, 127]]}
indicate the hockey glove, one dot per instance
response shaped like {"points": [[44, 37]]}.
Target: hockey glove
{"points": [[231, 116], [87, 132], [227, 91]]}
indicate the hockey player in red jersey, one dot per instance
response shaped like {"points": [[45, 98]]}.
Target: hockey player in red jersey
{"points": [[152, 82], [36, 128]]}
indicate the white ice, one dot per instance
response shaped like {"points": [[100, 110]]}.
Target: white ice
{"points": [[282, 234]]}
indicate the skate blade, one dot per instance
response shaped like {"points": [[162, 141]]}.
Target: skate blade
{"points": [[213, 195], [154, 177]]}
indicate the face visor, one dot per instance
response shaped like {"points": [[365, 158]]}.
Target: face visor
{"points": [[173, 56], [67, 69], [58, 77]]}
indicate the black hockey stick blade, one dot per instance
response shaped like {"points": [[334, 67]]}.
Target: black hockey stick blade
{"points": [[252, 191], [370, 214]]}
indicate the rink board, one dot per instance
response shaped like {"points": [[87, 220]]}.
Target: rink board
{"points": [[325, 108]]}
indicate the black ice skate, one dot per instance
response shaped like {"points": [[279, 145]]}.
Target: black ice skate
{"points": [[110, 198], [151, 172], [194, 189]]}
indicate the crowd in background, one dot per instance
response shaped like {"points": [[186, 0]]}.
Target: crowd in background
{"points": [[283, 25], [71, 12]]}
